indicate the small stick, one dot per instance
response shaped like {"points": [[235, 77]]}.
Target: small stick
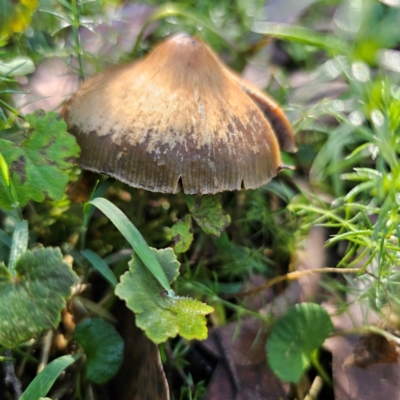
{"points": [[44, 356], [315, 389], [296, 275]]}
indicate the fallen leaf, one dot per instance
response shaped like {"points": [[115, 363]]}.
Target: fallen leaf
{"points": [[242, 372], [372, 349]]}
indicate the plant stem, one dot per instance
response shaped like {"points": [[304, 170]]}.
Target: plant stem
{"points": [[320, 369], [78, 47], [369, 329], [9, 108]]}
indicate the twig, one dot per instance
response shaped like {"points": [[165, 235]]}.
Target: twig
{"points": [[10, 376], [291, 276], [315, 388], [44, 356], [369, 329], [229, 363]]}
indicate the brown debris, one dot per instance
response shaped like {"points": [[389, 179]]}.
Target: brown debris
{"points": [[372, 349], [243, 372]]}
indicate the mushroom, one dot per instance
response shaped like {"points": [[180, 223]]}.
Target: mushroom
{"points": [[178, 120]]}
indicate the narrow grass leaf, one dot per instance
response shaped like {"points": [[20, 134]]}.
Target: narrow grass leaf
{"points": [[134, 237], [100, 265], [362, 187], [301, 35], [100, 191], [43, 382]]}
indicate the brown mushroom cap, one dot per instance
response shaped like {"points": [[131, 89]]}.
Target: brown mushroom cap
{"points": [[271, 109], [178, 119]]}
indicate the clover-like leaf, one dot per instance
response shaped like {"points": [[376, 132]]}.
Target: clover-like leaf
{"points": [[31, 302], [182, 234], [38, 164], [159, 315], [208, 213], [294, 337], [15, 16], [103, 346]]}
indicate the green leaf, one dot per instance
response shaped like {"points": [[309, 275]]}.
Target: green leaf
{"points": [[103, 346], [208, 213], [133, 236], [294, 337], [19, 243], [43, 382], [9, 198], [301, 35], [21, 65], [38, 164], [5, 239], [101, 266], [88, 209], [31, 302], [159, 315], [182, 234]]}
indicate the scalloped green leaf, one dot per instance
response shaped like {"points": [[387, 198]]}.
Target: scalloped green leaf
{"points": [[39, 163], [182, 235], [208, 213], [159, 315], [31, 302], [294, 337], [103, 346]]}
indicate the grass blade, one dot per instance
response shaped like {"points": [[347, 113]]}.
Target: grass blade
{"points": [[100, 265], [301, 35], [134, 237], [43, 382]]}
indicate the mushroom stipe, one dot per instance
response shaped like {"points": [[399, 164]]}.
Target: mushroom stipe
{"points": [[179, 120]]}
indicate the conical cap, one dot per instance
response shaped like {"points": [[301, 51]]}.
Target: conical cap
{"points": [[175, 120]]}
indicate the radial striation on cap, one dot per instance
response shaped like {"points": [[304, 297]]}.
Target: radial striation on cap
{"points": [[178, 119]]}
